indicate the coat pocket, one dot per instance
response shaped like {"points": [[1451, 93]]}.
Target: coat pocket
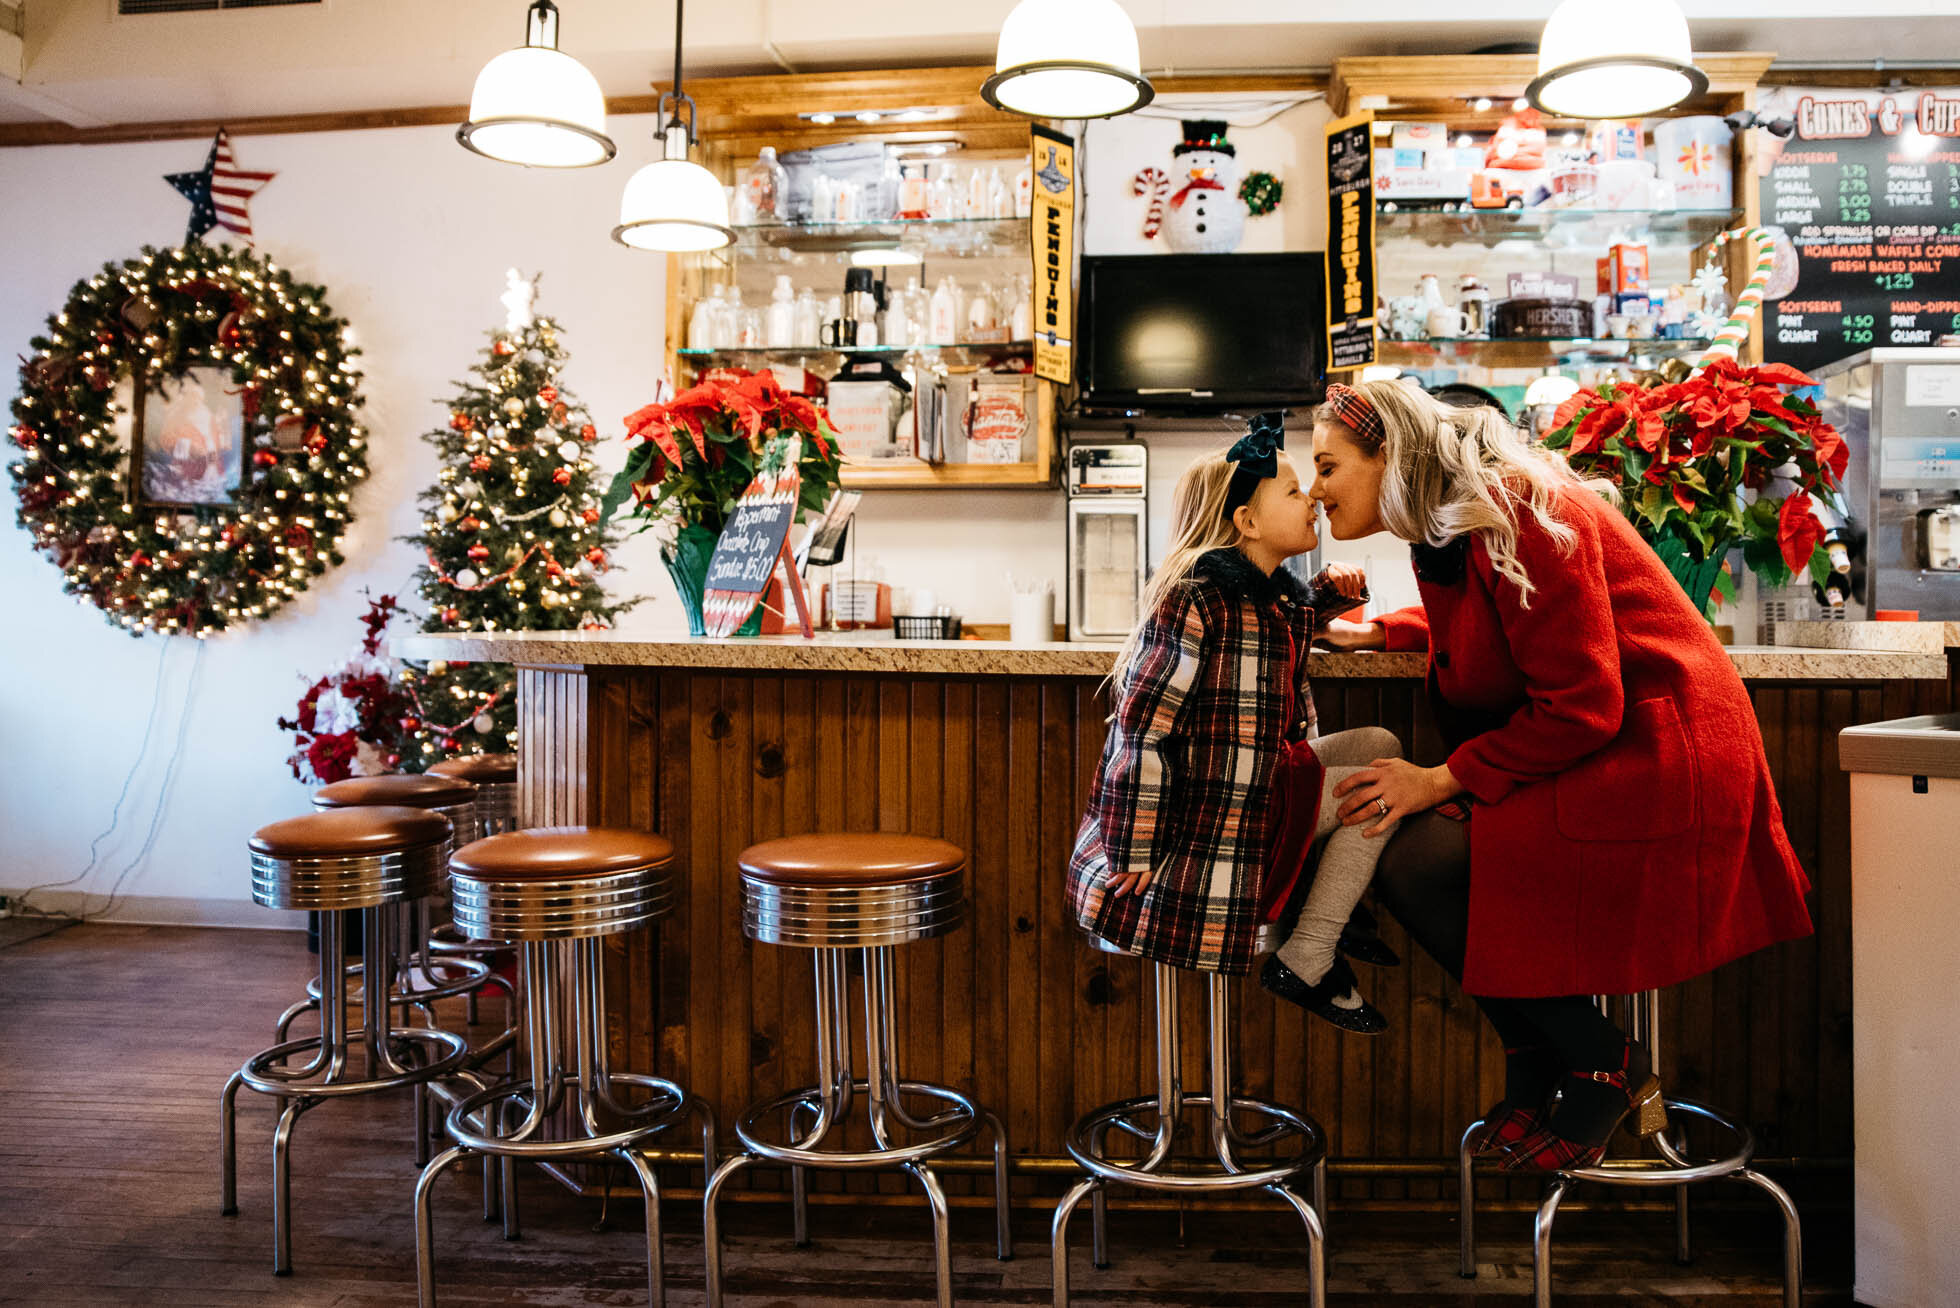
{"points": [[1639, 787]]}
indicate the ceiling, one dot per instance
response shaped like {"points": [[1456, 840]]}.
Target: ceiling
{"points": [[78, 62]]}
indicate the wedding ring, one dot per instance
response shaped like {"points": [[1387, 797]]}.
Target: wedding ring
{"points": [[1381, 806]]}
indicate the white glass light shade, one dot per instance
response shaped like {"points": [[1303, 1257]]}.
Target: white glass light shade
{"points": [[1615, 59], [674, 205], [539, 107], [1068, 59]]}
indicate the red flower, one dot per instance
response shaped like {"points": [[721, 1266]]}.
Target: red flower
{"points": [[332, 756], [1797, 531], [1832, 452]]}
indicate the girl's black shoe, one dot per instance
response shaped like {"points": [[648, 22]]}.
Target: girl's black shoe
{"points": [[1319, 999]]}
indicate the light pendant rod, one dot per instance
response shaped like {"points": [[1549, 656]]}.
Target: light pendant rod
{"points": [[674, 204]]}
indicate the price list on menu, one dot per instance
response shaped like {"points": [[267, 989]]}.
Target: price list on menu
{"points": [[1867, 191]]}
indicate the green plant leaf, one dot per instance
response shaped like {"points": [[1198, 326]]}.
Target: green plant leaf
{"points": [[621, 489]]}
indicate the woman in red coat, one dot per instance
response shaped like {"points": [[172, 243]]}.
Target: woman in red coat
{"points": [[1605, 821]]}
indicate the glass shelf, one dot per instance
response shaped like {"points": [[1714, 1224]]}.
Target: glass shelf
{"points": [[955, 355], [1531, 352], [924, 235], [1570, 226]]}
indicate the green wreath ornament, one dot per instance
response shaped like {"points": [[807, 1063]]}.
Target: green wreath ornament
{"points": [[1261, 192], [188, 439]]}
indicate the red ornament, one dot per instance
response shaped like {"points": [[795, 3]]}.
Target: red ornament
{"points": [[470, 522], [25, 437], [481, 463], [588, 432], [562, 475], [411, 723], [315, 440], [449, 743], [479, 552], [596, 557], [592, 515], [461, 421], [501, 348], [548, 394], [394, 760], [451, 615], [264, 458]]}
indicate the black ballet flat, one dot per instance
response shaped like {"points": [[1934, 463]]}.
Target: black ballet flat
{"points": [[1368, 949], [1319, 999]]}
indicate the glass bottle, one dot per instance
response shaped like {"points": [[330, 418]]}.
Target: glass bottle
{"points": [[914, 193], [767, 184], [808, 318], [701, 323], [997, 199], [780, 329], [1024, 192]]}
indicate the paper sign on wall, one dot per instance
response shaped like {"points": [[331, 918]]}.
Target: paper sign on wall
{"points": [[1054, 255], [1350, 242]]}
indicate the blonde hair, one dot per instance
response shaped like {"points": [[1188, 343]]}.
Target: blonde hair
{"points": [[1199, 524], [1453, 469]]}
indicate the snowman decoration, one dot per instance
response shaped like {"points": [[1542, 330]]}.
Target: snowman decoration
{"points": [[1197, 205]]}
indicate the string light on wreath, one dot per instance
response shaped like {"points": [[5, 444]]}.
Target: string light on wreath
{"points": [[243, 496]]}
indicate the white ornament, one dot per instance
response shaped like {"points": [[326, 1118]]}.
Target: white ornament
{"points": [[466, 578], [568, 450], [447, 513], [498, 431], [517, 299], [558, 518], [551, 599], [468, 488], [483, 724], [1205, 214]]}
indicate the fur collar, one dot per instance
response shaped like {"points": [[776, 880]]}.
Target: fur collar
{"points": [[1237, 575]]}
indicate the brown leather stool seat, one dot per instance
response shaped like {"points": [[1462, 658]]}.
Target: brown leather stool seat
{"points": [[852, 890], [495, 779], [452, 797], [349, 858], [553, 883], [856, 858]]}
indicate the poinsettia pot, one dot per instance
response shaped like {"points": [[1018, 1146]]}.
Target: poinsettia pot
{"points": [[687, 563]]}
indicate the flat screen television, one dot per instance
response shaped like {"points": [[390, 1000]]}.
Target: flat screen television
{"points": [[1201, 333]]}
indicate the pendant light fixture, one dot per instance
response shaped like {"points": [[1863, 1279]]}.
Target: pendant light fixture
{"points": [[536, 105], [1068, 59], [1615, 59], [674, 204]]}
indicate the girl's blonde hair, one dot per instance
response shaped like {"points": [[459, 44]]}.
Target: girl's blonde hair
{"points": [[1452, 469], [1199, 524]]}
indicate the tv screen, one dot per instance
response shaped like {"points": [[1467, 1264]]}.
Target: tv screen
{"points": [[1202, 332]]}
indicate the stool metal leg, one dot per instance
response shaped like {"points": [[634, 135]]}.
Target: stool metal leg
{"points": [[711, 1221], [425, 1270], [650, 1188], [1058, 1233], [1541, 1240], [1792, 1234], [1466, 1204], [942, 1235], [1316, 1244], [1003, 1229]]}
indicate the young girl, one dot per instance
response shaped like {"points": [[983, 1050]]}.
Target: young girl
{"points": [[1206, 778]]}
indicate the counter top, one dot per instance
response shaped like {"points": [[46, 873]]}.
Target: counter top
{"points": [[872, 652]]}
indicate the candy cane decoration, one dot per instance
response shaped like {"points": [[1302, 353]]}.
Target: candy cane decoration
{"points": [[1155, 183], [1727, 342]]}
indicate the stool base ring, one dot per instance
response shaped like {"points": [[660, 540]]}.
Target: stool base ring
{"points": [[658, 1115], [963, 1112], [1285, 1122], [260, 1072], [475, 975]]}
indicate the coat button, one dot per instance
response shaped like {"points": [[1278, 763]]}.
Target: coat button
{"points": [[1442, 658]]}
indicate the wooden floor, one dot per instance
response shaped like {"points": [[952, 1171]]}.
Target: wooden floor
{"points": [[114, 1042]]}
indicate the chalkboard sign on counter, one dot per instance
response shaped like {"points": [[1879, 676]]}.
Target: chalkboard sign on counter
{"points": [[753, 541], [1866, 196]]}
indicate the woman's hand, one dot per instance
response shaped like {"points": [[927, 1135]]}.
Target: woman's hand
{"points": [[1390, 789], [1122, 884], [1344, 635], [1349, 580]]}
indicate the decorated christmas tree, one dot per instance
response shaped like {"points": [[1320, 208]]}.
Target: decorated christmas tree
{"points": [[511, 536]]}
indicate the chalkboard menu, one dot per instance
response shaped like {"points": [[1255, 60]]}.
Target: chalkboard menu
{"points": [[1866, 194]]}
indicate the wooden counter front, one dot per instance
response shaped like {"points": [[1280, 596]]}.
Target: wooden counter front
{"points": [[1013, 1006]]}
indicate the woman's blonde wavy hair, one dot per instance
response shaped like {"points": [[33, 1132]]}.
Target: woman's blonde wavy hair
{"points": [[1452, 469], [1199, 524]]}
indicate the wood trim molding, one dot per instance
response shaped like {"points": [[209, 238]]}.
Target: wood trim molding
{"points": [[1404, 78]]}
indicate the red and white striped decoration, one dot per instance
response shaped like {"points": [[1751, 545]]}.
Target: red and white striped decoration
{"points": [[1728, 342], [232, 187], [1155, 183]]}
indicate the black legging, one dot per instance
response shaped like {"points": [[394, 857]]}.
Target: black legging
{"points": [[1423, 878]]}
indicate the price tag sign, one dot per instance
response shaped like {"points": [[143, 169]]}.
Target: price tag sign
{"points": [[1866, 194], [755, 539]]}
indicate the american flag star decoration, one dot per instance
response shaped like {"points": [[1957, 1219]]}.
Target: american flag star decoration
{"points": [[219, 192]]}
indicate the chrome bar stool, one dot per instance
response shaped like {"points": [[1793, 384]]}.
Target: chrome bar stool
{"points": [[1674, 1168], [1153, 1121], [495, 778], [557, 892], [835, 895], [366, 861]]}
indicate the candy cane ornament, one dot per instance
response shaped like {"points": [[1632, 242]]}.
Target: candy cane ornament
{"points": [[1728, 342], [1155, 183]]}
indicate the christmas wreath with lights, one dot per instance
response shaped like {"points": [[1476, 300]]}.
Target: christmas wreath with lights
{"points": [[170, 508]]}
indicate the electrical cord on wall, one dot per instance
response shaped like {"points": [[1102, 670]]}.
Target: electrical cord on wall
{"points": [[115, 813], [163, 790]]}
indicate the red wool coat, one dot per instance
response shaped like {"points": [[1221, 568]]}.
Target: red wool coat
{"points": [[1626, 835]]}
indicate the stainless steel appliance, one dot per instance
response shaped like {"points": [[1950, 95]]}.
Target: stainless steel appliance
{"points": [[1899, 411], [1108, 499]]}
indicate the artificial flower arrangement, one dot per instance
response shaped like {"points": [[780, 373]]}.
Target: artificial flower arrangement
{"points": [[350, 722], [693, 457], [1709, 460]]}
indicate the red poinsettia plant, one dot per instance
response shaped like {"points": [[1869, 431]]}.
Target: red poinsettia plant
{"points": [[695, 454], [350, 722], [1707, 461]]}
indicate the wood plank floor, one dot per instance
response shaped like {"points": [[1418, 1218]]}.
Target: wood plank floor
{"points": [[114, 1043]]}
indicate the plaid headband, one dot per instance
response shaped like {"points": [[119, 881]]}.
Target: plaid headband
{"points": [[1355, 409]]}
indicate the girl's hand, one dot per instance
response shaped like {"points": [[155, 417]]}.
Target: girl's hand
{"points": [[1344, 635], [1129, 883], [1349, 580], [1402, 788]]}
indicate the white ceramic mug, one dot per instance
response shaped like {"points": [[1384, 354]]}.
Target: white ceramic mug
{"points": [[1443, 321]]}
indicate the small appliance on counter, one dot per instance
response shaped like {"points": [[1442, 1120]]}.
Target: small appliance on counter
{"points": [[1108, 502], [1898, 410]]}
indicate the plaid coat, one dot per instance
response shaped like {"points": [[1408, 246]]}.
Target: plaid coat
{"points": [[1186, 781]]}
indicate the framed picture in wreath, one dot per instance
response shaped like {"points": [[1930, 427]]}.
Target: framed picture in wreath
{"points": [[187, 440]]}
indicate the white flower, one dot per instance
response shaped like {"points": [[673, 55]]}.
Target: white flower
{"points": [[333, 712]]}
